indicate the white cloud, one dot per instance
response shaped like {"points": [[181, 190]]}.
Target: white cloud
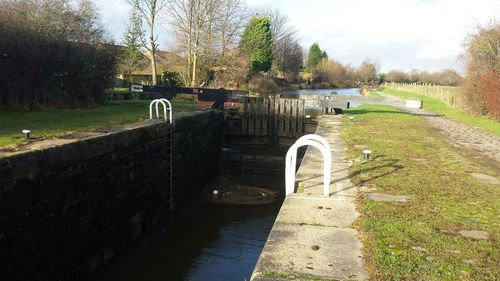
{"points": [[402, 34]]}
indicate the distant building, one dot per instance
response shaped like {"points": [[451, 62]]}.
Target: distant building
{"points": [[143, 75]]}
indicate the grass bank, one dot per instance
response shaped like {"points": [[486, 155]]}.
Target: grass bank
{"points": [[419, 239], [373, 94], [58, 122], [436, 106]]}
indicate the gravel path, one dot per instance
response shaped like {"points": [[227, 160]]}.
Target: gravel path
{"points": [[473, 140], [460, 134]]}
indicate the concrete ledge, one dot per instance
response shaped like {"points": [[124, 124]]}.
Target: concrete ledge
{"points": [[335, 212], [289, 251], [313, 238]]}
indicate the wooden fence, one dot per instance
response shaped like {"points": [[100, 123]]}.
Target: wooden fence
{"points": [[447, 94], [273, 117]]}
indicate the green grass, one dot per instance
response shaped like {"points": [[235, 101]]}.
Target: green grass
{"points": [[411, 160], [373, 94], [58, 122], [439, 107], [117, 90]]}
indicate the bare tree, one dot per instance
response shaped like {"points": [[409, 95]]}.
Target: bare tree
{"points": [[287, 52], [149, 11], [204, 31], [367, 72], [233, 16], [57, 18], [186, 18]]}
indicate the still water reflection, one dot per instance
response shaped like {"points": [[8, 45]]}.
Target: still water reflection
{"points": [[202, 242]]}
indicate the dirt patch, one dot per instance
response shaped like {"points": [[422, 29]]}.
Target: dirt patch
{"points": [[227, 192], [11, 148]]}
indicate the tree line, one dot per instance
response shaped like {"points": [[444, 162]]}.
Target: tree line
{"points": [[216, 41], [447, 77], [56, 53], [322, 71]]}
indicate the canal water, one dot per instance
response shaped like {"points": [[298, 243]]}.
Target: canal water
{"points": [[206, 242], [202, 242], [312, 95], [341, 92]]}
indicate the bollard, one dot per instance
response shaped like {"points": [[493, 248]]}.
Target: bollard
{"points": [[26, 134], [366, 154]]}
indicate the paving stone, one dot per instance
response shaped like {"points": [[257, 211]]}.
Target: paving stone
{"points": [[288, 251], [483, 178], [419, 249], [387, 197], [474, 234], [318, 211]]}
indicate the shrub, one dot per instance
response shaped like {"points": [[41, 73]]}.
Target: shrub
{"points": [[263, 85], [38, 72], [171, 79], [482, 77], [52, 65]]}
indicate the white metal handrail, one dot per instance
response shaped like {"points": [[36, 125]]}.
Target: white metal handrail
{"points": [[291, 161], [166, 108]]}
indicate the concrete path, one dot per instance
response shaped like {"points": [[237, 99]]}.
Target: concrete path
{"points": [[459, 134], [313, 235]]}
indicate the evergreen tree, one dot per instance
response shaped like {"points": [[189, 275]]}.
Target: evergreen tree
{"points": [[132, 58], [257, 42], [315, 56]]}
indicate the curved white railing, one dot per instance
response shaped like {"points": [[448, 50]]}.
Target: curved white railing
{"points": [[166, 108], [291, 161]]}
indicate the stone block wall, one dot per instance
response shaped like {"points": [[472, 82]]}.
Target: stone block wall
{"points": [[66, 210]]}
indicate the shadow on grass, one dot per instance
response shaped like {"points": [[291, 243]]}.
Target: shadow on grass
{"points": [[392, 164]]}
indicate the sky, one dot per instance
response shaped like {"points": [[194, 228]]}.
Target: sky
{"points": [[395, 34]]}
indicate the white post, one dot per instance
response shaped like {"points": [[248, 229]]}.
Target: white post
{"points": [[291, 162]]}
